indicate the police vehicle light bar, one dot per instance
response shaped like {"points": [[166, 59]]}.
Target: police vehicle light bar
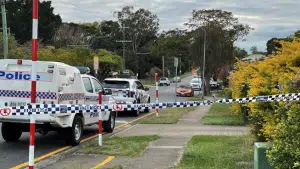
{"points": [[19, 62]]}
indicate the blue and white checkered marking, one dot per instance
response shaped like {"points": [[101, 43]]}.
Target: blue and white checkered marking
{"points": [[26, 94], [72, 96]]}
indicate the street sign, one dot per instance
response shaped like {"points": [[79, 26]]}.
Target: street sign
{"points": [[96, 63], [175, 62]]}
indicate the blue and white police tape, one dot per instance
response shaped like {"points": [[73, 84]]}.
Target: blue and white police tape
{"points": [[70, 108], [268, 98]]}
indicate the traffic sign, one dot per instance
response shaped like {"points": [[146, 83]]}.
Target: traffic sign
{"points": [[96, 63], [117, 107], [5, 112], [175, 62]]}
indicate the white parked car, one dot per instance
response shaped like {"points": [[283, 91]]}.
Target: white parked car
{"points": [[196, 83], [164, 81], [57, 83], [130, 90]]}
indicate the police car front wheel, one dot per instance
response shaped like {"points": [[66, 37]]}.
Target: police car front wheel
{"points": [[11, 132], [73, 134], [109, 125]]}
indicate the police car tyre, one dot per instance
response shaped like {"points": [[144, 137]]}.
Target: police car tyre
{"points": [[109, 125], [10, 132], [74, 134], [147, 110], [136, 112]]}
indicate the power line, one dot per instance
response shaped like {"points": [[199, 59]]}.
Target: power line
{"points": [[124, 41]]}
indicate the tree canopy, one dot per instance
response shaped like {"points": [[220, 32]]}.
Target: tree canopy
{"points": [[220, 29], [19, 20]]}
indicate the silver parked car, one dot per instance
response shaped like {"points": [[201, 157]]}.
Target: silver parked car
{"points": [[196, 83], [164, 81]]}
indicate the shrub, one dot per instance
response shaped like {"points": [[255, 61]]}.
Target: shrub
{"points": [[228, 93], [276, 122]]}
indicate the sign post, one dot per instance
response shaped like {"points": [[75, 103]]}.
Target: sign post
{"points": [[175, 65], [96, 64]]}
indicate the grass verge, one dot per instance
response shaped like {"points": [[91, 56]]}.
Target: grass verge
{"points": [[167, 116], [215, 152], [221, 114], [195, 99], [123, 146]]}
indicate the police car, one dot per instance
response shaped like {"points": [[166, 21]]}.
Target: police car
{"points": [[131, 91], [57, 83]]}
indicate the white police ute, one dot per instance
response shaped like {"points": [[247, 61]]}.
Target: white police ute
{"points": [[57, 83]]}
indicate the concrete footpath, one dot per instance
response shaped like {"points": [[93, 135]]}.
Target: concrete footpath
{"points": [[166, 152]]}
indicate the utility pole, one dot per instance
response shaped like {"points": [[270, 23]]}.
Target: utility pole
{"points": [[179, 66], [123, 41], [4, 25], [175, 65], [163, 61], [203, 71]]}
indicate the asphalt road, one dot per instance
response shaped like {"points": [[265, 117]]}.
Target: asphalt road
{"points": [[13, 154], [168, 94]]}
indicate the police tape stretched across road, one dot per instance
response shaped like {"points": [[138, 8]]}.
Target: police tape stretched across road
{"points": [[95, 109]]}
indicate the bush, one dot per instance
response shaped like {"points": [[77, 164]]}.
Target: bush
{"points": [[275, 122], [285, 152], [228, 93]]}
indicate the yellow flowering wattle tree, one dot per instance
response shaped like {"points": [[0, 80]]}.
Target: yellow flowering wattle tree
{"points": [[278, 74]]}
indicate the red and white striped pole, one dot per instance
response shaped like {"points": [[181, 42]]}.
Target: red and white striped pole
{"points": [[100, 120], [31, 142], [156, 88], [35, 4]]}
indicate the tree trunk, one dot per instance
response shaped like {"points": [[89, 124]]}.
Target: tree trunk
{"points": [[206, 86]]}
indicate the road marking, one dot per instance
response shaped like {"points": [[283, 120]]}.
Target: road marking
{"points": [[118, 121], [42, 157], [107, 160], [166, 147], [67, 147]]}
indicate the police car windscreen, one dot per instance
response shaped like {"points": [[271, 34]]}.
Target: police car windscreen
{"points": [[116, 84]]}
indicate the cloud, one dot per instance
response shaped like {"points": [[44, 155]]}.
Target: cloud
{"points": [[270, 18]]}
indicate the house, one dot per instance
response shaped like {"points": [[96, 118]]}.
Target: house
{"points": [[254, 57]]}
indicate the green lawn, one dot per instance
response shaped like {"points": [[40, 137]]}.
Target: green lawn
{"points": [[218, 152], [124, 146], [195, 98], [167, 116], [221, 114]]}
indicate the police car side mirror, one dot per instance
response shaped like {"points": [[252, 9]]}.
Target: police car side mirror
{"points": [[107, 92], [146, 89]]}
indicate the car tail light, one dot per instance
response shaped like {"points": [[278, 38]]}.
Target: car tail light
{"points": [[19, 62]]}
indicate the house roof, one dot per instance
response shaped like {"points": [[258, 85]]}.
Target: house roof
{"points": [[254, 57]]}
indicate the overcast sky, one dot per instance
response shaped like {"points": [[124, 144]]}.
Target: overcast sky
{"points": [[270, 18]]}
